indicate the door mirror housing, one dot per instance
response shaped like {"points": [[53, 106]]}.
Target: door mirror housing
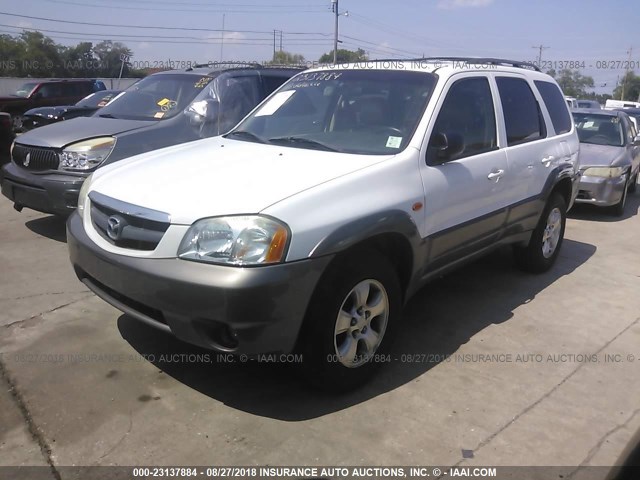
{"points": [[443, 146], [204, 111]]}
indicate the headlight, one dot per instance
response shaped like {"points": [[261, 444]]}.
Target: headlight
{"points": [[241, 240], [606, 172], [82, 197], [86, 154]]}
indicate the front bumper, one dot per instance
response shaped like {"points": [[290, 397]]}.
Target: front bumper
{"points": [[249, 310], [45, 192], [601, 191]]}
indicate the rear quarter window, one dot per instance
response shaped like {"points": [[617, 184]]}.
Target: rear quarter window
{"points": [[554, 101]]}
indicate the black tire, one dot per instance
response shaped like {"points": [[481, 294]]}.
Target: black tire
{"points": [[618, 209], [633, 186], [318, 342], [533, 258]]}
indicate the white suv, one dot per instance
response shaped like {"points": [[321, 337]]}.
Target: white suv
{"points": [[309, 225]]}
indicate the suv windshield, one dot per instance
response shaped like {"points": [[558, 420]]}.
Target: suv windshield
{"points": [[156, 97], [353, 111], [599, 129], [26, 89]]}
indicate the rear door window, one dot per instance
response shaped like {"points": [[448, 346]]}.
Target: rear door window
{"points": [[522, 116]]}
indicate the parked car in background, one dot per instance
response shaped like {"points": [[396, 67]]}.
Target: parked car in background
{"points": [[311, 223], [6, 137], [634, 115], [571, 102], [610, 104], [39, 117], [47, 93], [609, 158], [588, 104], [50, 163]]}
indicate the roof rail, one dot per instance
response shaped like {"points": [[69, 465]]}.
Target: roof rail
{"points": [[476, 60], [215, 63]]}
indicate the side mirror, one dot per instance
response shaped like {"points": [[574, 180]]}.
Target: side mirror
{"points": [[444, 146], [38, 96], [204, 111]]}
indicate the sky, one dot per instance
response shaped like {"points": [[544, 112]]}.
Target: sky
{"points": [[596, 35]]}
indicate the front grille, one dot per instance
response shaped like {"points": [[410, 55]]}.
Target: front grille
{"points": [[133, 227], [36, 159]]}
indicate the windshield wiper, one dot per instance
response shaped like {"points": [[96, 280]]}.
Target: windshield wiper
{"points": [[303, 141], [106, 115], [246, 134]]}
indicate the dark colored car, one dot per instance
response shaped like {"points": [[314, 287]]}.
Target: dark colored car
{"points": [[39, 117], [6, 137], [50, 163], [609, 157], [46, 93], [634, 113]]}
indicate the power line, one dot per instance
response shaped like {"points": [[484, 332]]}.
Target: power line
{"points": [[191, 29], [261, 9]]}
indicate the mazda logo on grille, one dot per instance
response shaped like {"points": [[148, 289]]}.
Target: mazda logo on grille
{"points": [[115, 226], [27, 159]]}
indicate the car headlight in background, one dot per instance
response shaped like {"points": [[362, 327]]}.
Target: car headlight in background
{"points": [[86, 154], [606, 172], [235, 240], [82, 196]]}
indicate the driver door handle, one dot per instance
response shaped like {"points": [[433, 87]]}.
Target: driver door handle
{"points": [[495, 175]]}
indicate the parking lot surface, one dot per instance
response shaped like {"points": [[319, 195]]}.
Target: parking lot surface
{"points": [[491, 363]]}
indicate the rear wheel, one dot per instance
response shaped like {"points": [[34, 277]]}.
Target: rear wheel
{"points": [[544, 246], [351, 321]]}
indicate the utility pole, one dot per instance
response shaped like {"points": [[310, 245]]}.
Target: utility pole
{"points": [[540, 48], [626, 73], [222, 40], [280, 40], [335, 38], [274, 44]]}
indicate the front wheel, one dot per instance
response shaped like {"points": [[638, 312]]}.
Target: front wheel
{"points": [[618, 209], [633, 186], [544, 246], [350, 321]]}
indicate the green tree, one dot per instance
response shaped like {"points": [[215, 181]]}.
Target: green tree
{"points": [[11, 54], [286, 58], [40, 55], [345, 56], [572, 82], [108, 54], [79, 61], [631, 84]]}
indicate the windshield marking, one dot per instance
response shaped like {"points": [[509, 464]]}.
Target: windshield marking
{"points": [[275, 103]]}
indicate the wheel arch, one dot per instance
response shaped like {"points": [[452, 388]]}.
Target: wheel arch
{"points": [[392, 234]]}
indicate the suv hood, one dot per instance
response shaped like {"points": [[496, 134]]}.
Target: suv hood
{"points": [[13, 99], [600, 155], [220, 176], [61, 134]]}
